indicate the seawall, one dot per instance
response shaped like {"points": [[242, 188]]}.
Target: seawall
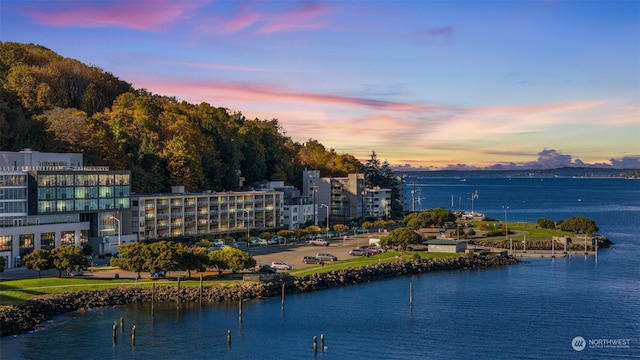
{"points": [[29, 315]]}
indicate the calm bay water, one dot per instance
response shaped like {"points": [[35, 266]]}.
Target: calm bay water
{"points": [[531, 311]]}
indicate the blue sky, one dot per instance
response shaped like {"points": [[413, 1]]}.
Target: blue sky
{"points": [[425, 84]]}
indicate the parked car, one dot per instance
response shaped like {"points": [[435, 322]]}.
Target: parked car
{"points": [[218, 242], [318, 242], [265, 269], [76, 273], [372, 250], [326, 257], [369, 251], [277, 239], [358, 252], [256, 241], [312, 260], [279, 265], [157, 274], [361, 231]]}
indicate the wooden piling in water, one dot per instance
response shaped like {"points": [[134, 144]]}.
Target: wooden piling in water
{"points": [[133, 334], [240, 308], [153, 300], [282, 296], [228, 337], [411, 296], [200, 292], [115, 332], [121, 324], [322, 342], [315, 345], [178, 293]]}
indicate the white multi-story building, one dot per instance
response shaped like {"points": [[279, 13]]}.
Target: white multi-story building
{"points": [[298, 210], [177, 214], [51, 199], [378, 203]]}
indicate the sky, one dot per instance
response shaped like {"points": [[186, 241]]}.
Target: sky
{"points": [[424, 84]]}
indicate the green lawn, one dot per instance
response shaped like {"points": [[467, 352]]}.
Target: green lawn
{"points": [[16, 291], [518, 230]]}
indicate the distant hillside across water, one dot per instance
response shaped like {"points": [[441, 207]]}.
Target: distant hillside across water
{"points": [[560, 172]]}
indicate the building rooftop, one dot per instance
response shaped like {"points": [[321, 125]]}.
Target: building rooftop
{"points": [[442, 242]]}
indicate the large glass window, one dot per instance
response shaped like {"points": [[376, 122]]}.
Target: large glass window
{"points": [[46, 206], [122, 179], [6, 242], [26, 244], [106, 191], [106, 179], [13, 180], [46, 180], [67, 238], [66, 193], [64, 180], [84, 237], [82, 205], [106, 204], [47, 240], [64, 205], [86, 179]]}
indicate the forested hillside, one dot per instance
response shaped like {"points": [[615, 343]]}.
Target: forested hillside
{"points": [[51, 103]]}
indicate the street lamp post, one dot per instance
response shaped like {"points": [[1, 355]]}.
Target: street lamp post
{"points": [[314, 192], [506, 229], [323, 205]]}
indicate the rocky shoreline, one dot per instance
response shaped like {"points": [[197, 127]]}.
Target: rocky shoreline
{"points": [[29, 315]]}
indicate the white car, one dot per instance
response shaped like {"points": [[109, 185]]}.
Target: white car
{"points": [[279, 265], [259, 242], [318, 242], [218, 242]]}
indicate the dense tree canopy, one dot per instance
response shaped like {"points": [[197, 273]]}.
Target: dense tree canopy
{"points": [[401, 238], [579, 224], [431, 217], [38, 259], [380, 175], [68, 258], [51, 103]]}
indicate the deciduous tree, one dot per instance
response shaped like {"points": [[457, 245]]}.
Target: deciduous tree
{"points": [[38, 259], [401, 237], [68, 258]]}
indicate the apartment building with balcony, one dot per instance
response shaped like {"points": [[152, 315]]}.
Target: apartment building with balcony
{"points": [[177, 214], [347, 198]]}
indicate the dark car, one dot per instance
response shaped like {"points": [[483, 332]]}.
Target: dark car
{"points": [[358, 252], [312, 260], [265, 269]]}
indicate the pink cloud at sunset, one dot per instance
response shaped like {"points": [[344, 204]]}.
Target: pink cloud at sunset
{"points": [[144, 15], [263, 93], [300, 16]]}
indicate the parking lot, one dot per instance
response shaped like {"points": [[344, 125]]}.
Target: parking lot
{"points": [[293, 254]]}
